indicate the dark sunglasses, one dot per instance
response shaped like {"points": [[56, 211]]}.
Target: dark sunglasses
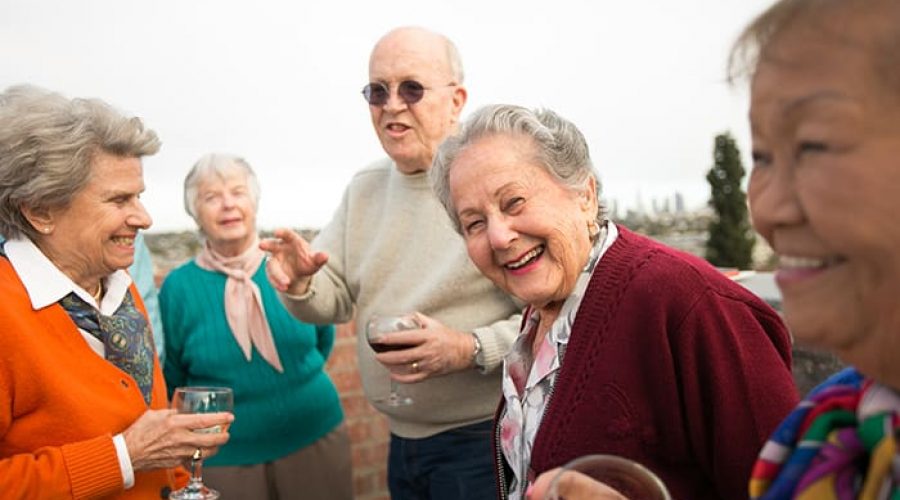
{"points": [[411, 91]]}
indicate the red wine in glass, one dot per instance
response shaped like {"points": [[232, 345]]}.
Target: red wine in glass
{"points": [[375, 328], [379, 347]]}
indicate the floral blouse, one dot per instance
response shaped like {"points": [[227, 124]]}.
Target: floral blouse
{"points": [[528, 383]]}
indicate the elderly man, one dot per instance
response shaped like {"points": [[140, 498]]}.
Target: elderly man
{"points": [[391, 249]]}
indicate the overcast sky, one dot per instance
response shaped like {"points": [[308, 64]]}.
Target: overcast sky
{"points": [[279, 83]]}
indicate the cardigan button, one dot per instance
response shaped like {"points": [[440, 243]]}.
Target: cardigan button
{"points": [[124, 383]]}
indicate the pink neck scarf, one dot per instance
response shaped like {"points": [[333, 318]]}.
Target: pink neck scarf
{"points": [[243, 300]]}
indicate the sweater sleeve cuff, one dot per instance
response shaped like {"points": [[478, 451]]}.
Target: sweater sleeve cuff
{"points": [[492, 349], [308, 294], [124, 460], [93, 467]]}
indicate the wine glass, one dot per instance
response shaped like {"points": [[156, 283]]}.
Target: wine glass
{"points": [[378, 325], [631, 479], [200, 400]]}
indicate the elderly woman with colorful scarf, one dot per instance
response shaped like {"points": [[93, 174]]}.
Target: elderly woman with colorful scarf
{"points": [[825, 116], [225, 326]]}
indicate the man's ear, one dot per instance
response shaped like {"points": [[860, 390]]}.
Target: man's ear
{"points": [[460, 95]]}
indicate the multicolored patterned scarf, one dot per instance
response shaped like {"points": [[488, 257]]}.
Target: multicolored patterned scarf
{"points": [[839, 443], [126, 337]]}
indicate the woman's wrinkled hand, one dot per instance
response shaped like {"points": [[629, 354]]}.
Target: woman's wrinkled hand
{"points": [[572, 485], [164, 438], [438, 350], [291, 263]]}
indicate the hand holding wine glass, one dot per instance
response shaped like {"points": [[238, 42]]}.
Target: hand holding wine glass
{"points": [[430, 349], [193, 400], [376, 327], [160, 439], [601, 477]]}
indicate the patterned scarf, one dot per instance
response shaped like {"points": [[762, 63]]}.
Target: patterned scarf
{"points": [[126, 337], [243, 301], [839, 443]]}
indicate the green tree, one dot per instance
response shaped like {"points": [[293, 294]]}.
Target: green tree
{"points": [[731, 238]]}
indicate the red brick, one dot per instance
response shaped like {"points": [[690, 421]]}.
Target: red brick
{"points": [[346, 330], [360, 431], [343, 359], [373, 454], [363, 483], [346, 382], [356, 406]]}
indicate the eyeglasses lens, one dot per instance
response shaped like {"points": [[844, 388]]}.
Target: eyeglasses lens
{"points": [[377, 94], [411, 91]]}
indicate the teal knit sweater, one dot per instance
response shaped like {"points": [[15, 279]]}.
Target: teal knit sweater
{"points": [[275, 413]]}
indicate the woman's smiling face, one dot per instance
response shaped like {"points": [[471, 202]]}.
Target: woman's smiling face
{"points": [[226, 211], [825, 188], [523, 229]]}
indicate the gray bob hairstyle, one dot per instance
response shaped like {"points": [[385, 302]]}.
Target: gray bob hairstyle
{"points": [[220, 165], [47, 146], [562, 149]]}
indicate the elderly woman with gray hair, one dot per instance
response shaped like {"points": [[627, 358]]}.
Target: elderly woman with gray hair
{"points": [[225, 326], [82, 397], [627, 347]]}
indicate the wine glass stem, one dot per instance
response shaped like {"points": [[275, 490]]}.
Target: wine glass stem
{"points": [[196, 482], [394, 396]]}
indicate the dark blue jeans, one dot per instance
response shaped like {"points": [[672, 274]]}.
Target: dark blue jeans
{"points": [[453, 465]]}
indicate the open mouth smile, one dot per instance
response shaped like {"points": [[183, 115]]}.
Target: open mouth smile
{"points": [[123, 240], [792, 262], [525, 259]]}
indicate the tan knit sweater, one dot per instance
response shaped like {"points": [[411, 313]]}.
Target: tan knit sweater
{"points": [[392, 249]]}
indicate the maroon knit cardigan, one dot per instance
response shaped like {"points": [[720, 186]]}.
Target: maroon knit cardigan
{"points": [[670, 364]]}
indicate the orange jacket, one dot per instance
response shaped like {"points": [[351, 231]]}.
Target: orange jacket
{"points": [[60, 405]]}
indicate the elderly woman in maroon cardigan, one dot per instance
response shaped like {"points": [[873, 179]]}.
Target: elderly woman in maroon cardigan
{"points": [[627, 347]]}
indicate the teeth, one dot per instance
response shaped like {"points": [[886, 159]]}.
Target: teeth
{"points": [[123, 241], [801, 262], [526, 258]]}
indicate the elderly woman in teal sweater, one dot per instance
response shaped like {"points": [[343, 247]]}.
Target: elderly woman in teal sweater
{"points": [[224, 326]]}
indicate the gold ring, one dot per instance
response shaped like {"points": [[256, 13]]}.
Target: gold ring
{"points": [[198, 454], [415, 367]]}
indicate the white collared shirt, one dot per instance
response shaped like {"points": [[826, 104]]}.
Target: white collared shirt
{"points": [[47, 285]]}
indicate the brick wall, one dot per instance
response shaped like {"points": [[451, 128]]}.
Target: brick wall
{"points": [[367, 428]]}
